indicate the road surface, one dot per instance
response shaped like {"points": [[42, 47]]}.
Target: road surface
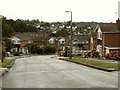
{"points": [[48, 72]]}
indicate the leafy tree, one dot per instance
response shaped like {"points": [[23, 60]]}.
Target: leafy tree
{"points": [[39, 50], [8, 45], [49, 49], [62, 33], [45, 24], [22, 26], [33, 48], [7, 30]]}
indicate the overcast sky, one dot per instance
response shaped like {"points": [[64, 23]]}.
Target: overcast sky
{"points": [[54, 10]]}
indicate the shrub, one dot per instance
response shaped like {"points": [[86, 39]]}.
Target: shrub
{"points": [[92, 53], [49, 50], [113, 55], [17, 53], [39, 50], [96, 54], [33, 48]]}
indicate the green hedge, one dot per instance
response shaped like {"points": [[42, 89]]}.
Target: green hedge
{"points": [[35, 49]]}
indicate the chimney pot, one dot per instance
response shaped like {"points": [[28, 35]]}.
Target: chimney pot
{"points": [[118, 24]]}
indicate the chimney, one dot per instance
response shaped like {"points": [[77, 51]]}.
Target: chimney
{"points": [[118, 21], [118, 24]]}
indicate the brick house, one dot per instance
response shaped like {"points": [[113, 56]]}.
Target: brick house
{"points": [[106, 38], [31, 37]]}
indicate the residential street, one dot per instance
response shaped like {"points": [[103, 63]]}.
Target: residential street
{"points": [[49, 72]]}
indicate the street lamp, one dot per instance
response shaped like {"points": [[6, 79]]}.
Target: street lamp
{"points": [[70, 55]]}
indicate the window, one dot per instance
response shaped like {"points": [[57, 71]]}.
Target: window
{"points": [[18, 41], [63, 41], [14, 41], [99, 35]]}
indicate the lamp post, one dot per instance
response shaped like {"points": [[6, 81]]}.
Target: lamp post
{"points": [[70, 54]]}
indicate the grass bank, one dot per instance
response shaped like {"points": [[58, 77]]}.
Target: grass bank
{"points": [[96, 64], [6, 63]]}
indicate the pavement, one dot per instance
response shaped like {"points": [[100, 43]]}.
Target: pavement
{"points": [[2, 71], [103, 60], [49, 72]]}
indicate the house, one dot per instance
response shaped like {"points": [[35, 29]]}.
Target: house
{"points": [[107, 38], [61, 43], [81, 43], [24, 46], [16, 43], [51, 40], [26, 38]]}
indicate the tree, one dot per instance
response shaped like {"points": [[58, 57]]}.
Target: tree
{"points": [[40, 50], [33, 48], [8, 45], [62, 33], [7, 30], [49, 49]]}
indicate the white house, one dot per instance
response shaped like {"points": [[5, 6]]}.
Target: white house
{"points": [[62, 43], [16, 41], [99, 39], [51, 40], [62, 40]]}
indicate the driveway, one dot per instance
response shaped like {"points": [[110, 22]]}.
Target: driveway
{"points": [[47, 72]]}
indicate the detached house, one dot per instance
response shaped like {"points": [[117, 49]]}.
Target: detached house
{"points": [[16, 43], [60, 41], [81, 43], [27, 38], [106, 38]]}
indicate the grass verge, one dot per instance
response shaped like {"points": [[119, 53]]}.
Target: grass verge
{"points": [[6, 63], [96, 64]]}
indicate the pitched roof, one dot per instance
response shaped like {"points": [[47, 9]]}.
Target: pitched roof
{"points": [[108, 27], [81, 37], [31, 35]]}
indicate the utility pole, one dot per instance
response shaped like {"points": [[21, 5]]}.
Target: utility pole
{"points": [[70, 54]]}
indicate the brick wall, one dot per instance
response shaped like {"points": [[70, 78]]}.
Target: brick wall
{"points": [[111, 39]]}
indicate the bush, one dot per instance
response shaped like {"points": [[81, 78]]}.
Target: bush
{"points": [[92, 53], [39, 50], [113, 56], [49, 50], [96, 54], [33, 48], [17, 53]]}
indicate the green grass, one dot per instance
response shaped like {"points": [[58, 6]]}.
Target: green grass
{"points": [[6, 63], [99, 64]]}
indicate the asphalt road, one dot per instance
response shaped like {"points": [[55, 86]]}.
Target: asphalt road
{"points": [[47, 72]]}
